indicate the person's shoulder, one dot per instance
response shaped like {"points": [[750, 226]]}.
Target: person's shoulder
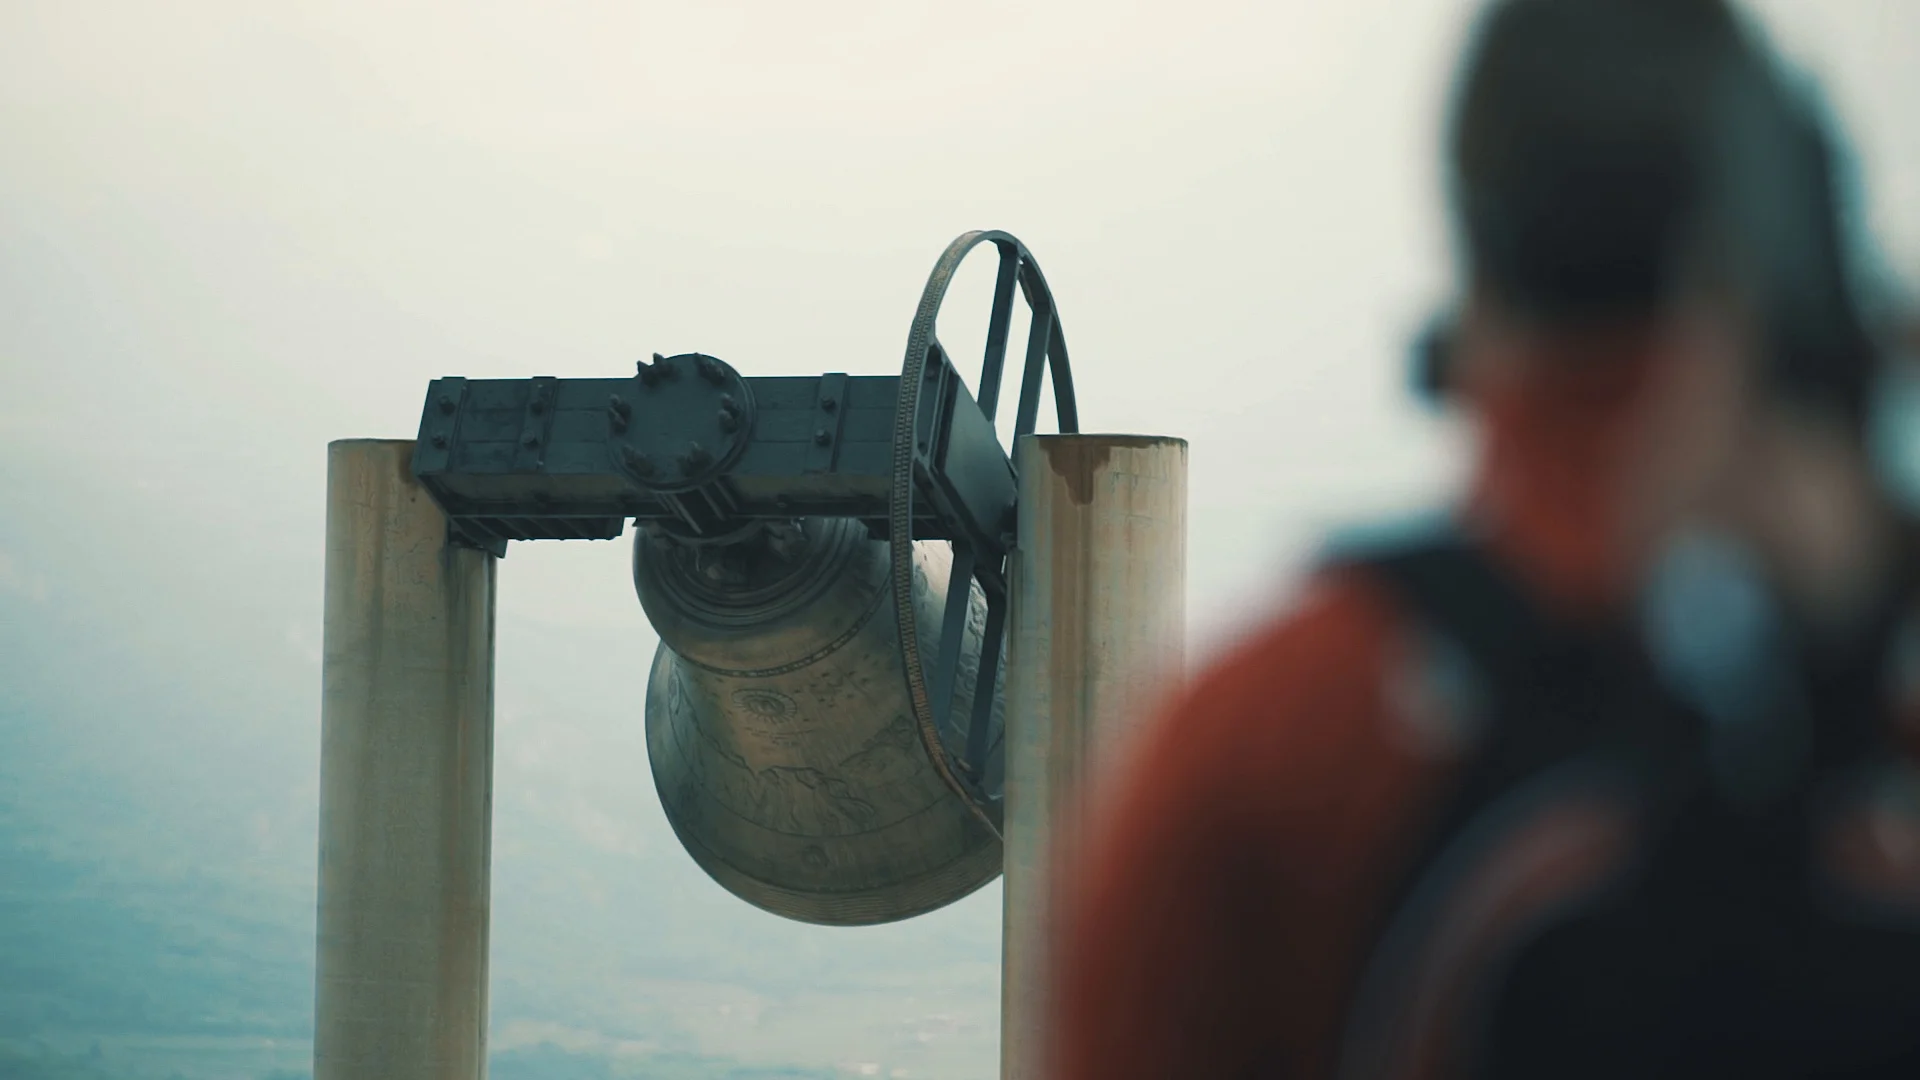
{"points": [[1341, 679], [1344, 622], [1301, 674], [1338, 633]]}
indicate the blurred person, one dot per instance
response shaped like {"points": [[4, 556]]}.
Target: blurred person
{"points": [[1771, 922], [1378, 837], [1826, 501]]}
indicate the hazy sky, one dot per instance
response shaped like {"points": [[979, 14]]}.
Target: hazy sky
{"points": [[230, 232], [241, 230], [304, 212]]}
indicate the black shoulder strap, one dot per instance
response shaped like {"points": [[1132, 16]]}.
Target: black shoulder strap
{"points": [[1553, 692], [1851, 682], [1548, 690], [1559, 675], [1450, 585]]}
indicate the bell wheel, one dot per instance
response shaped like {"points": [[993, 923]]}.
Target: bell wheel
{"points": [[963, 749]]}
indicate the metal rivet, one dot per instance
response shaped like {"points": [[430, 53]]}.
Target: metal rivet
{"points": [[822, 437], [830, 404], [531, 441], [710, 370], [728, 422], [696, 457], [640, 463], [440, 442], [446, 404]]}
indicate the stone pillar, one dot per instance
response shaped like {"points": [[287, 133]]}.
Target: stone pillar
{"points": [[406, 781], [1097, 631]]}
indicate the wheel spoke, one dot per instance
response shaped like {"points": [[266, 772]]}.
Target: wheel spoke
{"points": [[1039, 334], [953, 633], [985, 684], [998, 326]]}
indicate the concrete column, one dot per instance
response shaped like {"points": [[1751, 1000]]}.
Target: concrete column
{"points": [[406, 781], [1097, 634]]}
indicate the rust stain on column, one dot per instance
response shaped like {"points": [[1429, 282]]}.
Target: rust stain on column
{"points": [[1097, 634]]}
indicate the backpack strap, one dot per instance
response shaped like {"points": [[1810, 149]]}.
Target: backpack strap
{"points": [[1575, 719], [1450, 586], [1853, 682], [1548, 688], [1567, 716]]}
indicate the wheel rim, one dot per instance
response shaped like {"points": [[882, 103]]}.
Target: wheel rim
{"points": [[931, 693]]}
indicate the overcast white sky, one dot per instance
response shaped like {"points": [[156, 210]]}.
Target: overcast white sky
{"points": [[230, 232], [304, 212]]}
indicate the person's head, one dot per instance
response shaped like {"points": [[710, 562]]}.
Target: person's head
{"points": [[1584, 157], [1611, 168]]}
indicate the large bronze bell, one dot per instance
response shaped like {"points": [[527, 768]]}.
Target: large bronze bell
{"points": [[782, 741]]}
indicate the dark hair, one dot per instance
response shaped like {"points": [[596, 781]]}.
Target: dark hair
{"points": [[1602, 150], [1586, 152]]}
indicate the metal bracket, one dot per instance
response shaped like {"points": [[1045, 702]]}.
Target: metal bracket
{"points": [[536, 424], [830, 416]]}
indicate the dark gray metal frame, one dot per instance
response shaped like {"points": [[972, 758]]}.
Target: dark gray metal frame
{"points": [[689, 446]]}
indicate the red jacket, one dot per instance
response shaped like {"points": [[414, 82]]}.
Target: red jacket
{"points": [[1219, 917]]}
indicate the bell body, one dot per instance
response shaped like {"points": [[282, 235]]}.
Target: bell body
{"points": [[779, 730]]}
